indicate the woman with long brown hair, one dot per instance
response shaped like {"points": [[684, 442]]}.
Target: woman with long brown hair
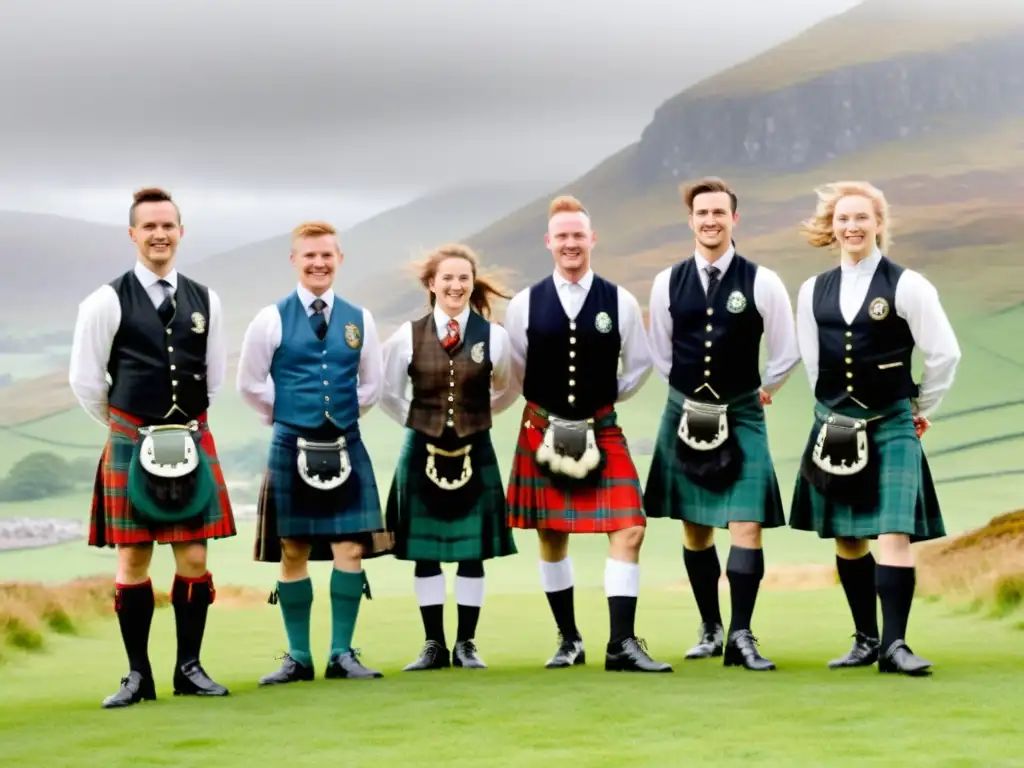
{"points": [[447, 499]]}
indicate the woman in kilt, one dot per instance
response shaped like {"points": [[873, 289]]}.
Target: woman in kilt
{"points": [[864, 474], [445, 374]]}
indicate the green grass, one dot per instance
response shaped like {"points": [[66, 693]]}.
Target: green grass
{"points": [[516, 712]]}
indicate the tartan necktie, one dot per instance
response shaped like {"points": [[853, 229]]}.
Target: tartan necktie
{"points": [[451, 341], [166, 308], [713, 273], [318, 319]]}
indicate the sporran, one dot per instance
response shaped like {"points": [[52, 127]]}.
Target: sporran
{"points": [[569, 452], [324, 473], [169, 478], [842, 462], [709, 454]]}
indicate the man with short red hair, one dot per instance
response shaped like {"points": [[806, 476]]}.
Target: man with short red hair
{"points": [[572, 471]]}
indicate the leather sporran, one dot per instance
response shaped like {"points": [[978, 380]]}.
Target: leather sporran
{"points": [[707, 450], [841, 462]]}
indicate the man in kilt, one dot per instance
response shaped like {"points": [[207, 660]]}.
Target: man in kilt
{"points": [[147, 359], [311, 366], [572, 471], [447, 498], [711, 466], [864, 474]]}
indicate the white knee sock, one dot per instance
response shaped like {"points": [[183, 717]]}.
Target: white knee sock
{"points": [[469, 591], [430, 590], [621, 579], [556, 577]]}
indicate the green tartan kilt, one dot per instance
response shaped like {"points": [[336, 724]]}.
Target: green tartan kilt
{"points": [[906, 500], [753, 498], [429, 523]]}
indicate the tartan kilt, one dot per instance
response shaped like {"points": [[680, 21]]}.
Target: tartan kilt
{"points": [[352, 515], [906, 500], [113, 521], [613, 503], [429, 526], [753, 498]]}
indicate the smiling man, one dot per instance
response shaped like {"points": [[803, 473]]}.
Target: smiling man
{"points": [[311, 366], [711, 466], [157, 335]]}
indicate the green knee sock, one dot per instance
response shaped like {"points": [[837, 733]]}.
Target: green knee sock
{"points": [[346, 593], [296, 599]]}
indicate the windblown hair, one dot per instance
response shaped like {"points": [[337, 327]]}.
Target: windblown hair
{"points": [[484, 287], [705, 186], [150, 195], [818, 229], [566, 204], [313, 229]]}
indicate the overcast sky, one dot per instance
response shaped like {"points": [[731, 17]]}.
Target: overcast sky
{"points": [[256, 114]]}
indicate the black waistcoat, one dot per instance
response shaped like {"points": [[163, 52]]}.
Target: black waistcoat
{"points": [[716, 340], [572, 367], [868, 361], [155, 368]]}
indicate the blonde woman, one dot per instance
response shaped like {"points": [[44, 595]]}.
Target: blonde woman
{"points": [[864, 474], [445, 375]]}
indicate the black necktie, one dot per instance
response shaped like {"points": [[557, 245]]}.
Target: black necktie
{"points": [[713, 273], [318, 319], [166, 308]]}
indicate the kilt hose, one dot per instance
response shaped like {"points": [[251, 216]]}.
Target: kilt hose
{"points": [[907, 502], [354, 514], [425, 525], [612, 503], [112, 519], [754, 497]]}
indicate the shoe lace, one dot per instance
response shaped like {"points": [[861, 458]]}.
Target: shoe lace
{"points": [[641, 643]]}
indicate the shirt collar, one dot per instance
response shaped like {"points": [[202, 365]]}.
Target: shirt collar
{"points": [[584, 282], [866, 265], [307, 298], [722, 263], [441, 317], [148, 278]]}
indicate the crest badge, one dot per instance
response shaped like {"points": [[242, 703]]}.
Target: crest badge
{"points": [[477, 352], [878, 309], [198, 322], [736, 302], [603, 322], [352, 337]]}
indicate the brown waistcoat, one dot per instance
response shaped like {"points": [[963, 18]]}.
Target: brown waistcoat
{"points": [[450, 390]]}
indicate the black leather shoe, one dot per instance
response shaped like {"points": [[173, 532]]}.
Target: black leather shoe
{"points": [[899, 659], [290, 671], [433, 656], [741, 651], [631, 656], [710, 642], [190, 679], [864, 653], [570, 653], [465, 656], [135, 687], [347, 665]]}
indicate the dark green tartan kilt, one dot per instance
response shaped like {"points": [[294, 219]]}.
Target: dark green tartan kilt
{"points": [[906, 501], [286, 510], [430, 523], [753, 498]]}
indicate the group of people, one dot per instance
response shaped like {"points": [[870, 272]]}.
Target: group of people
{"points": [[149, 356]]}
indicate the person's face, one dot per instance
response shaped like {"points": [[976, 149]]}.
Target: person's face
{"points": [[855, 225], [156, 233], [452, 285], [316, 259], [712, 219], [570, 240]]}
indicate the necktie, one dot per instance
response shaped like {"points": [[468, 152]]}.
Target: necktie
{"points": [[318, 319], [713, 273], [451, 341], [166, 308]]}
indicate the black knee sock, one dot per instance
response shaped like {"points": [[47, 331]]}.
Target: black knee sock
{"points": [[896, 593], [622, 619], [469, 615], [564, 611], [191, 598], [745, 569], [432, 615], [704, 570], [858, 580], [134, 604]]}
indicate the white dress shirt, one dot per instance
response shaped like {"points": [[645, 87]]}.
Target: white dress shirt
{"points": [[99, 317], [396, 396], [263, 337], [917, 302], [771, 301], [634, 356]]}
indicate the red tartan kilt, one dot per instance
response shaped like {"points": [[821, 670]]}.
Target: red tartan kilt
{"points": [[614, 503], [112, 522]]}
